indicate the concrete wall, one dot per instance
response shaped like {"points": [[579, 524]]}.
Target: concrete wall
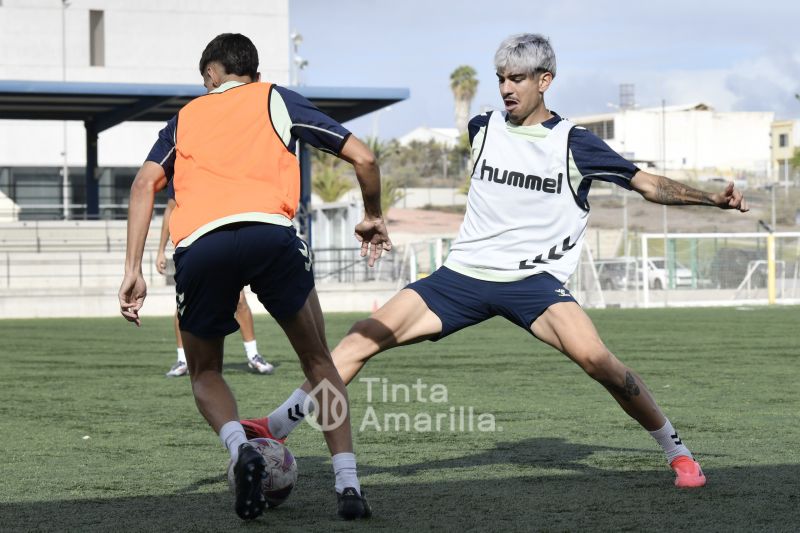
{"points": [[53, 303]]}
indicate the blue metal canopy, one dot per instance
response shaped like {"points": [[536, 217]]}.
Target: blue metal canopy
{"points": [[103, 105], [108, 104]]}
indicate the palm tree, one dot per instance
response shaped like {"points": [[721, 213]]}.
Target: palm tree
{"points": [[464, 84], [329, 179], [391, 191]]}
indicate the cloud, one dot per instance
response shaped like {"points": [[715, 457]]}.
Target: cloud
{"points": [[769, 82]]}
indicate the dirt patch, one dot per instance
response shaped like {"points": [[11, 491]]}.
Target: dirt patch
{"points": [[607, 213]]}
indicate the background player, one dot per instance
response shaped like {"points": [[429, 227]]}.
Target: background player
{"points": [[527, 211], [243, 314]]}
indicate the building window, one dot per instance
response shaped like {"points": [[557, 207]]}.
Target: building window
{"points": [[37, 192], [97, 39], [783, 140], [603, 129]]}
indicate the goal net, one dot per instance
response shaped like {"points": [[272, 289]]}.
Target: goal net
{"points": [[717, 269]]}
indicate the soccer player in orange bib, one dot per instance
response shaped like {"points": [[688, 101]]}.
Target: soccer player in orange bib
{"points": [[231, 156]]}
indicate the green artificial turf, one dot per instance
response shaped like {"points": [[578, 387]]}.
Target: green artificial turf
{"points": [[563, 456]]}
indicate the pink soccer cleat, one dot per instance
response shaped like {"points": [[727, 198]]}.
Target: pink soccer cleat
{"points": [[258, 428], [688, 473]]}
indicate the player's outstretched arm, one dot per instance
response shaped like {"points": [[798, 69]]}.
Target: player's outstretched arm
{"points": [[662, 190], [371, 231], [132, 292]]}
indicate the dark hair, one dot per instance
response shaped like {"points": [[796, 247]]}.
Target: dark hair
{"points": [[233, 51]]}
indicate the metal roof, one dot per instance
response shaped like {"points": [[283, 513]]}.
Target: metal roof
{"points": [[108, 104]]}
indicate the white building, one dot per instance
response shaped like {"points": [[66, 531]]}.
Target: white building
{"points": [[690, 141], [142, 41], [447, 137]]}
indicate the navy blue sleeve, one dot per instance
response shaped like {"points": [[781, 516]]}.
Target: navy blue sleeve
{"points": [[311, 125], [163, 151], [475, 124], [597, 161]]}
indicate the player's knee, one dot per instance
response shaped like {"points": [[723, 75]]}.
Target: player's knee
{"points": [[360, 343], [360, 328], [598, 363]]}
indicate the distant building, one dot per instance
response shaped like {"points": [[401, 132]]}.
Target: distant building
{"points": [[785, 140], [690, 141], [147, 41], [447, 137]]}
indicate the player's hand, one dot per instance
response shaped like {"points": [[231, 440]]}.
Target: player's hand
{"points": [[161, 263], [131, 297], [731, 198], [374, 238]]}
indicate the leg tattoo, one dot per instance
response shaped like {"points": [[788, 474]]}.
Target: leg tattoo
{"points": [[630, 389]]}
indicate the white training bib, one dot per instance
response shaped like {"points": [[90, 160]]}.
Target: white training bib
{"points": [[522, 216]]}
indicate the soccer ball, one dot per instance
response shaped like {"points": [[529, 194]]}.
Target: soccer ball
{"points": [[281, 471]]}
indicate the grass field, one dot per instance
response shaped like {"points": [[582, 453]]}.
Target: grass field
{"points": [[567, 458]]}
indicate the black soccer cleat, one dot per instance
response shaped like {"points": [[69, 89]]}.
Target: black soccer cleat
{"points": [[352, 505], [249, 471]]}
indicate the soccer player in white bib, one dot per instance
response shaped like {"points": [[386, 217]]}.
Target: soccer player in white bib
{"points": [[520, 241]]}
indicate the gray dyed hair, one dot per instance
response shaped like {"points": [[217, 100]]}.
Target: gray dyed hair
{"points": [[525, 52]]}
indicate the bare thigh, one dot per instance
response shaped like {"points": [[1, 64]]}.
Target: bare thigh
{"points": [[567, 328], [405, 319]]}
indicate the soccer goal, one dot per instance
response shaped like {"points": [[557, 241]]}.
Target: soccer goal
{"points": [[422, 258], [694, 269], [585, 282], [666, 270]]}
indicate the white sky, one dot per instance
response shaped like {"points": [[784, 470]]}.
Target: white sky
{"points": [[734, 55]]}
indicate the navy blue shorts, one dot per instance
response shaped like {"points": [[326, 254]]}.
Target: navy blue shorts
{"points": [[460, 301], [211, 272]]}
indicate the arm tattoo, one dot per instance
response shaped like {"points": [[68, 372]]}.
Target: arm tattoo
{"points": [[669, 192]]}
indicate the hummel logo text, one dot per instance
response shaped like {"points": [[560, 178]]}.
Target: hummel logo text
{"points": [[518, 179]]}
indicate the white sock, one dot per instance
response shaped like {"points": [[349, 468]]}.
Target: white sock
{"points": [[251, 349], [290, 413], [344, 466], [670, 442], [181, 355], [232, 436]]}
